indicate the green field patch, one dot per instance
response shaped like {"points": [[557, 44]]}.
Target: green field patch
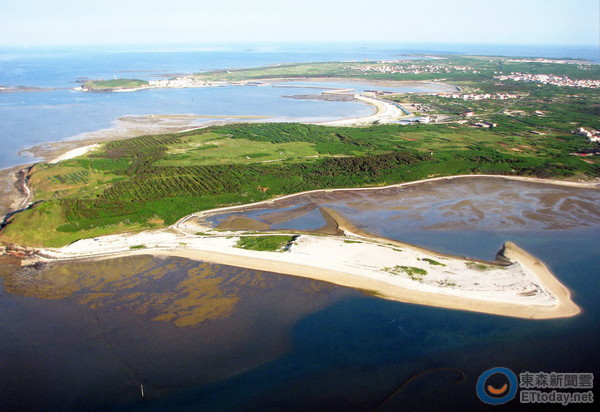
{"points": [[235, 150], [433, 262], [273, 243], [68, 180], [37, 227], [114, 84]]}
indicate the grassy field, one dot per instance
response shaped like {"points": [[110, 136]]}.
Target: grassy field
{"points": [[151, 181], [114, 84], [221, 149], [473, 69], [271, 243]]}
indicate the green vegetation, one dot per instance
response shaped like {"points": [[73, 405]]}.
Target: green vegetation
{"points": [[475, 69], [140, 183], [433, 262], [152, 181], [411, 271], [352, 241], [480, 266], [138, 247], [334, 69], [223, 150], [272, 243], [115, 84]]}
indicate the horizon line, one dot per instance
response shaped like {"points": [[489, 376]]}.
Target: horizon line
{"points": [[295, 42]]}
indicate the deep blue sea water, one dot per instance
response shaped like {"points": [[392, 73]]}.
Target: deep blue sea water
{"points": [[351, 354]]}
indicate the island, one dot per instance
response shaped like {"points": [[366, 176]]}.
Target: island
{"points": [[518, 118], [114, 85]]}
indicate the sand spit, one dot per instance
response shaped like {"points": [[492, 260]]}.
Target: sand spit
{"points": [[385, 113], [524, 288], [80, 151], [566, 306]]}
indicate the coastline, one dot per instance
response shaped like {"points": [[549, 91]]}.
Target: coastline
{"points": [[526, 288], [584, 184], [188, 81], [137, 125], [133, 126], [565, 308], [385, 112], [362, 265], [80, 151]]}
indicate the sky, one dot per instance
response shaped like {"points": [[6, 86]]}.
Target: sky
{"points": [[84, 22]]}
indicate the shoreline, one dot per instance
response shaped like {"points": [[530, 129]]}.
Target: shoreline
{"points": [[564, 309], [80, 151], [129, 126], [189, 82], [351, 277], [360, 264], [200, 214], [177, 240]]}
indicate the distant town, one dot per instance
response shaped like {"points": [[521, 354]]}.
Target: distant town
{"points": [[550, 79], [484, 96], [411, 69]]}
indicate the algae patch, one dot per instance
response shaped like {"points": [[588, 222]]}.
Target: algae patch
{"points": [[186, 293]]}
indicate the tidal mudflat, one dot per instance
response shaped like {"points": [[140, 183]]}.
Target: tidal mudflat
{"points": [[471, 205]]}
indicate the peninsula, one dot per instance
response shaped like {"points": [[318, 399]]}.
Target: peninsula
{"points": [[133, 196], [520, 286]]}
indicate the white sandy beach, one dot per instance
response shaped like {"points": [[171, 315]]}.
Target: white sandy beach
{"points": [[523, 289], [385, 112], [79, 151]]}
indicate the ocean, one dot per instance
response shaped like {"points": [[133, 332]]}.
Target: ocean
{"points": [[196, 336]]}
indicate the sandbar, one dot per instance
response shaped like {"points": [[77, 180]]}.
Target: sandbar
{"points": [[522, 286], [79, 151]]}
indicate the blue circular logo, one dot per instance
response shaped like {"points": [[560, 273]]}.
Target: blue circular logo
{"points": [[493, 395]]}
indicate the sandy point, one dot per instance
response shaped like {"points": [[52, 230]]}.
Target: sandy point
{"points": [[523, 288], [79, 151]]}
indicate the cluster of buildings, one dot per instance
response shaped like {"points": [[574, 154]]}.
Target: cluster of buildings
{"points": [[543, 60], [410, 69], [550, 79], [484, 125], [592, 135], [182, 82], [486, 96]]}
